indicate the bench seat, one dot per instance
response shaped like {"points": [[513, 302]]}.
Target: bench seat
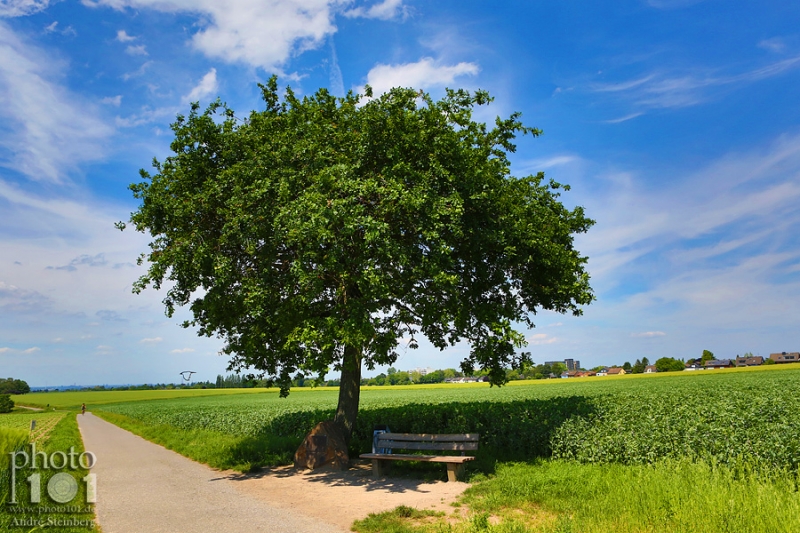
{"points": [[425, 442]]}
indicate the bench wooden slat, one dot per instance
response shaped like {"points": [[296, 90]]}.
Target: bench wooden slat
{"points": [[424, 458], [431, 437], [412, 445]]}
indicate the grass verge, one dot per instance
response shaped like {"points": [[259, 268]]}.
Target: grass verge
{"points": [[565, 497], [214, 448], [72, 516]]}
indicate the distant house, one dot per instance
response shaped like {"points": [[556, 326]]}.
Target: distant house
{"points": [[719, 363], [616, 371], [585, 374], [749, 361], [650, 369], [569, 374], [783, 357], [602, 372], [693, 366]]}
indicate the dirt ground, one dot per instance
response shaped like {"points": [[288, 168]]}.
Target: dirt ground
{"points": [[341, 497]]}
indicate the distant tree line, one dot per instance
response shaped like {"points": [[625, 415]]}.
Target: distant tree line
{"points": [[13, 386]]}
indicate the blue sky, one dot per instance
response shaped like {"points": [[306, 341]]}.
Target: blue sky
{"points": [[676, 122]]}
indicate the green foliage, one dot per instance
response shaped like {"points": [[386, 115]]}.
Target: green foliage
{"points": [[707, 356], [668, 364], [13, 386], [325, 224], [6, 403]]}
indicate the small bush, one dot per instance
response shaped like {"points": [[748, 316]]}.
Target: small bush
{"points": [[6, 403]]}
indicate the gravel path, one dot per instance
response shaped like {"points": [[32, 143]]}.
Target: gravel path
{"points": [[144, 487]]}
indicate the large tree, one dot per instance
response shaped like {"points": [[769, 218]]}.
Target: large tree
{"points": [[316, 233]]}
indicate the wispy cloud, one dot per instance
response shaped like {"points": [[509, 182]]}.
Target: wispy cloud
{"points": [[660, 90], [625, 118], [153, 340], [34, 349], [136, 50], [82, 260], [775, 44], [337, 83], [50, 131], [112, 100], [649, 334]]}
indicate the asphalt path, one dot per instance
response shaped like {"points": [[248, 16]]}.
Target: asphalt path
{"points": [[143, 487]]}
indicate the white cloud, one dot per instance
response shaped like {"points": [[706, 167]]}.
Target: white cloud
{"points": [[207, 87], [5, 349], [136, 50], [649, 334], [123, 37], [424, 74], [31, 350], [19, 8], [183, 350], [51, 130], [541, 338], [259, 33], [51, 28], [386, 10], [112, 100], [151, 340]]}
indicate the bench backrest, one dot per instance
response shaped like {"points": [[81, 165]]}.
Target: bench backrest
{"points": [[459, 442]]}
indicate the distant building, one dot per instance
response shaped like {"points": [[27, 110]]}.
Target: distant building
{"points": [[650, 369], [602, 372], [749, 361], [616, 372], [571, 364], [719, 363], [783, 357]]}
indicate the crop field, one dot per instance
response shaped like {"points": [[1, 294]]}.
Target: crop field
{"points": [[45, 422], [718, 415], [74, 399]]}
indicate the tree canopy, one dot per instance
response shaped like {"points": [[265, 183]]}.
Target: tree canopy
{"points": [[317, 233], [14, 386]]}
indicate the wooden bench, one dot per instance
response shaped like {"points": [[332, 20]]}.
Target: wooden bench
{"points": [[423, 441]]}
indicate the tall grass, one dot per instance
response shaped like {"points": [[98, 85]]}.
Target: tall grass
{"points": [[63, 436], [671, 496]]}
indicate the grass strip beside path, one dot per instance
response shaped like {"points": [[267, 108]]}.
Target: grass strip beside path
{"points": [[566, 497], [48, 514], [214, 448]]}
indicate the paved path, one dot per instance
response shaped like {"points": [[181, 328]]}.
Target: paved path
{"points": [[143, 487]]}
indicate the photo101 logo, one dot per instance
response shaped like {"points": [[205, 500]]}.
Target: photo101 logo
{"points": [[63, 486]]}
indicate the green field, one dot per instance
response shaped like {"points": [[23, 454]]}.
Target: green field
{"points": [[684, 452], [628, 420]]}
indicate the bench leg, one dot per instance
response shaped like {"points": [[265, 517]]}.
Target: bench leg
{"points": [[454, 471], [380, 468]]}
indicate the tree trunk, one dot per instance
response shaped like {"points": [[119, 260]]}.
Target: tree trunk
{"points": [[349, 391]]}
